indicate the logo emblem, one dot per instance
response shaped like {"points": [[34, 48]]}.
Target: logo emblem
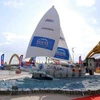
{"points": [[49, 20], [40, 66], [49, 29], [43, 42], [61, 52]]}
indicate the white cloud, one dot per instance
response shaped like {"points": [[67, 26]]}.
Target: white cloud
{"points": [[11, 37], [5, 43], [14, 44], [13, 3], [86, 3], [93, 20], [92, 9]]}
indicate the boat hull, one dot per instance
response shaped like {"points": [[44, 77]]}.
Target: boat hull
{"points": [[58, 71]]}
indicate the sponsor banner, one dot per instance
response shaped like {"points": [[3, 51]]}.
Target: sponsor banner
{"points": [[43, 42], [80, 61], [2, 61], [54, 67], [26, 65], [62, 53], [49, 20], [49, 29], [20, 61]]}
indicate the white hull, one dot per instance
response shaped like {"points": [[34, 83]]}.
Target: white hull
{"points": [[58, 71]]}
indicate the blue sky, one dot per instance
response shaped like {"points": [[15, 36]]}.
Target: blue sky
{"points": [[80, 22]]}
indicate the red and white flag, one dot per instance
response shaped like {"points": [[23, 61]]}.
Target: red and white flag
{"points": [[80, 61]]}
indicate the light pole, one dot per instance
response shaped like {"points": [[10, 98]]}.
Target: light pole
{"points": [[73, 53]]}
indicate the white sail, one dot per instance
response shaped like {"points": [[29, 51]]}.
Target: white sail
{"points": [[62, 49], [45, 38]]}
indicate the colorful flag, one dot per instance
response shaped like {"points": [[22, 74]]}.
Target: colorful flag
{"points": [[34, 59], [20, 61], [80, 61], [2, 61]]}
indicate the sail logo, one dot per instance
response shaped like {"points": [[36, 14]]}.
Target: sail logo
{"points": [[62, 53], [61, 38], [49, 20], [43, 42], [49, 29]]}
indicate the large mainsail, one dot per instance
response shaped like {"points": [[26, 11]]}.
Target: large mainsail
{"points": [[62, 49], [45, 38]]}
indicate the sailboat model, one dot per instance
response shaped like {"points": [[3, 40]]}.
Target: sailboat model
{"points": [[48, 40]]}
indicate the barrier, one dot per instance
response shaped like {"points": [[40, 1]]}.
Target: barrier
{"points": [[15, 91]]}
